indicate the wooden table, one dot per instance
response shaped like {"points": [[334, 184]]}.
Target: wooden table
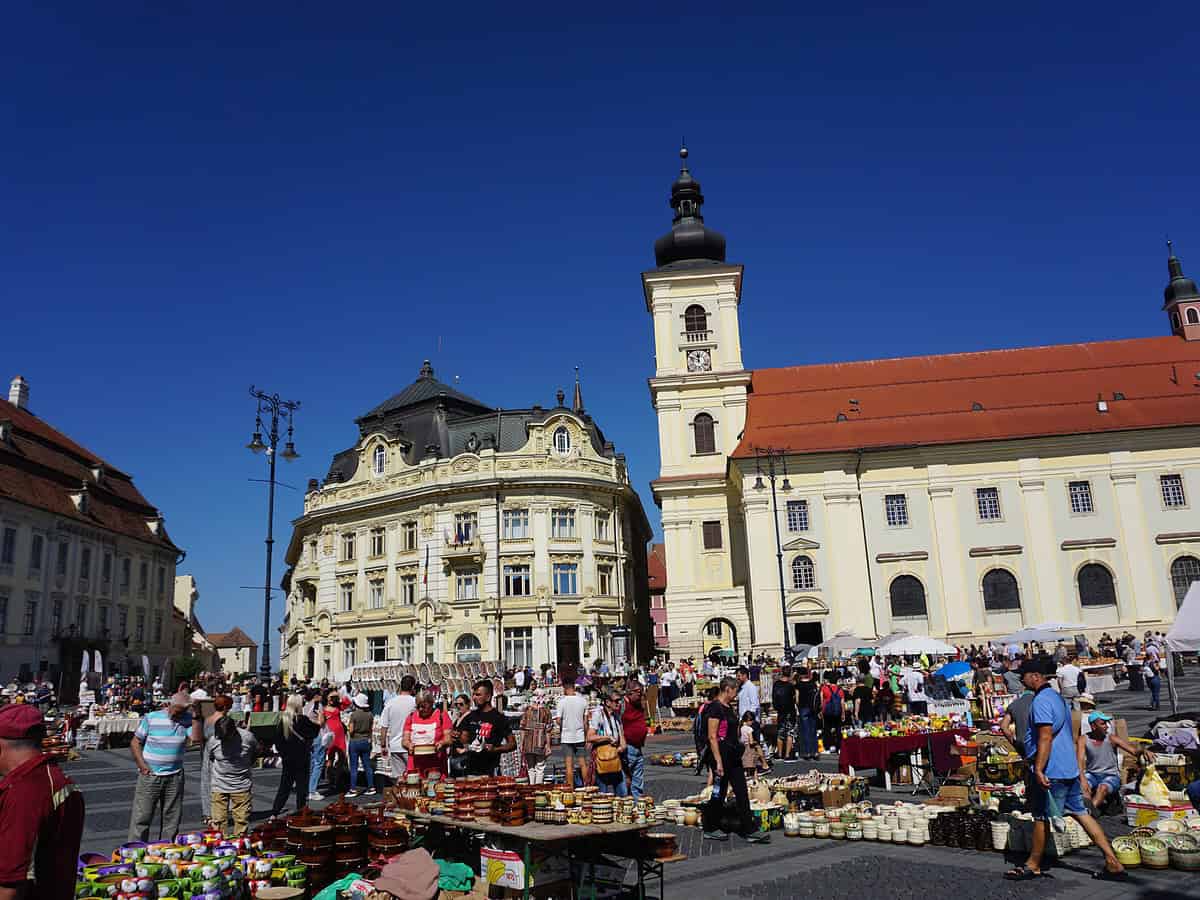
{"points": [[556, 840]]}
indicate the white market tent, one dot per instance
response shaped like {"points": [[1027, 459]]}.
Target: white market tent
{"points": [[916, 644], [1184, 636], [845, 640]]}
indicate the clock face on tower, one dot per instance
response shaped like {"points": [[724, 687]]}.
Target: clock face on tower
{"points": [[699, 360]]}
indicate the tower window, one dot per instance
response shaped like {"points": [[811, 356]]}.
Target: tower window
{"points": [[1175, 321], [562, 440], [704, 434], [1193, 316], [378, 460], [695, 320], [712, 535]]}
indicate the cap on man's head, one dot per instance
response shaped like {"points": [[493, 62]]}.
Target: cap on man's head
{"points": [[1031, 666], [1087, 698], [20, 721], [1098, 716]]}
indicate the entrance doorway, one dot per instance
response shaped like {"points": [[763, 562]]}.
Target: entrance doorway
{"points": [[566, 641], [719, 634], [807, 633]]}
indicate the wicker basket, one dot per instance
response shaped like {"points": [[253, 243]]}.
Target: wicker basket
{"points": [[1127, 852], [1154, 852]]}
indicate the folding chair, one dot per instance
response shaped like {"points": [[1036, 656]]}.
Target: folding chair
{"points": [[925, 775]]}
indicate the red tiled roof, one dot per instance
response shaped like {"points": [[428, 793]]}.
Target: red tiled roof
{"points": [[42, 467], [656, 567], [965, 397], [230, 639]]}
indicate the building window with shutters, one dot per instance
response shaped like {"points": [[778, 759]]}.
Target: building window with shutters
{"points": [[1000, 591], [378, 542], [704, 434], [712, 535], [348, 546], [804, 576], [1173, 496], [376, 594], [515, 523], [895, 508], [408, 589], [1080, 495], [562, 523], [466, 586], [604, 581], [377, 649], [347, 597], [602, 522], [408, 535], [1096, 587], [987, 504], [516, 581], [907, 596], [566, 579]]}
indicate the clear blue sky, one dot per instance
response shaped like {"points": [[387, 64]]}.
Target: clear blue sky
{"points": [[308, 196]]}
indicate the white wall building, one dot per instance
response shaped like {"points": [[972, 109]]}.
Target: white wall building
{"points": [[961, 495]]}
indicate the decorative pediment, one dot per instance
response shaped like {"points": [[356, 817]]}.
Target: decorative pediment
{"points": [[806, 606], [801, 544]]}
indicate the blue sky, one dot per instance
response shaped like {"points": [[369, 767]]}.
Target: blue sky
{"points": [[314, 197]]}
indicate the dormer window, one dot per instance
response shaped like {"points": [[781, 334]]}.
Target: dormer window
{"points": [[80, 499], [562, 440], [378, 460], [97, 473]]}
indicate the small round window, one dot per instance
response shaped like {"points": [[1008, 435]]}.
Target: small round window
{"points": [[562, 440]]}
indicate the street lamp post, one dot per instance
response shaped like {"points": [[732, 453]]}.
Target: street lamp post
{"points": [[271, 406], [427, 621], [772, 461]]}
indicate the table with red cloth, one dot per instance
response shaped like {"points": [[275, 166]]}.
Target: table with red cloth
{"points": [[874, 752]]}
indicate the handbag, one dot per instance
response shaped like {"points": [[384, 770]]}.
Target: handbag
{"points": [[608, 760]]}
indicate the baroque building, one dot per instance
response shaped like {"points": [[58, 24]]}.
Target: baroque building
{"points": [[86, 563], [454, 531], [961, 495]]}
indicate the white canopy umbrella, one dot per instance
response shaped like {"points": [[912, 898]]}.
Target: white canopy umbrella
{"points": [[894, 636], [916, 644], [845, 640], [1184, 636]]}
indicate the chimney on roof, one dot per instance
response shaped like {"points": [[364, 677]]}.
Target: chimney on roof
{"points": [[18, 393]]}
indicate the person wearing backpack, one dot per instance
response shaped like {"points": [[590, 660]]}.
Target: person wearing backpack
{"points": [[833, 712], [725, 756], [807, 714]]}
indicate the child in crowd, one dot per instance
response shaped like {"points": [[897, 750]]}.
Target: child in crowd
{"points": [[753, 760]]}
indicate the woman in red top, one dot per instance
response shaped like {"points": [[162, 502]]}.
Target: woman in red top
{"points": [[335, 752], [427, 734]]}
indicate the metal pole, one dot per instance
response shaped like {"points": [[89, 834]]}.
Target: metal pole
{"points": [[787, 643], [264, 665]]}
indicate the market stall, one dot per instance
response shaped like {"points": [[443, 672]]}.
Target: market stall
{"points": [[877, 752]]}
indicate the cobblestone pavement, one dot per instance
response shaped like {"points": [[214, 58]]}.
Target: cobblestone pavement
{"points": [[786, 867]]}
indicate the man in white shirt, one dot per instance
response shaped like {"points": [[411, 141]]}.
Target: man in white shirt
{"points": [[571, 713], [747, 695], [391, 727], [1068, 681], [519, 679], [914, 683]]}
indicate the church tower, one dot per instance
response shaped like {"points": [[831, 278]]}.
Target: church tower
{"points": [[1181, 300], [699, 393]]}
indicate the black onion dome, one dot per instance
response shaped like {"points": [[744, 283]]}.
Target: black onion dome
{"points": [[688, 241], [1180, 287]]}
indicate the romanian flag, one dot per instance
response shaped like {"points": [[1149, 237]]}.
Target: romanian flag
{"points": [[426, 564]]}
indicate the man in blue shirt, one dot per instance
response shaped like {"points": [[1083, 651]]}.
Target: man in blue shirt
{"points": [[1052, 786], [158, 746]]}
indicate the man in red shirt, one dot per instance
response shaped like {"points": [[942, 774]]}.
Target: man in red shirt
{"points": [[41, 813], [633, 723]]}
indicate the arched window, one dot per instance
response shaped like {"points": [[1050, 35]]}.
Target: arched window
{"points": [[467, 648], [1184, 571], [1193, 316], [804, 577], [1096, 586], [908, 597], [1000, 591], [1174, 320], [562, 439], [695, 319], [378, 460], [704, 434]]}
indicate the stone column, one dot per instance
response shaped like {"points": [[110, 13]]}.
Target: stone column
{"points": [[953, 591], [1139, 601], [1045, 602]]}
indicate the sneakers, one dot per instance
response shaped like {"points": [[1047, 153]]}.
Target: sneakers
{"points": [[758, 837], [352, 793], [716, 835], [370, 792]]}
